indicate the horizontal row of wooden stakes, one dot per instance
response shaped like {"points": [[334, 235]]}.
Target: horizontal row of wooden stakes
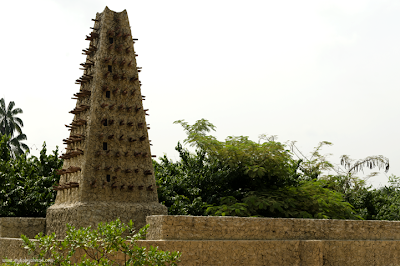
{"points": [[73, 169], [93, 185]]}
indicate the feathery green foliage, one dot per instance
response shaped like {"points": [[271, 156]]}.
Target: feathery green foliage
{"points": [[243, 178]]}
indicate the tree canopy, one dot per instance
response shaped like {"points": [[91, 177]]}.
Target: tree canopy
{"points": [[236, 176], [245, 178], [26, 183]]}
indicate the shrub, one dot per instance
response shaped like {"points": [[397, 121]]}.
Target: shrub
{"points": [[99, 247]]}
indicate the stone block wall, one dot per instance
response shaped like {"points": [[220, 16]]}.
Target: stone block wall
{"points": [[262, 241], [179, 227], [13, 227], [283, 252]]}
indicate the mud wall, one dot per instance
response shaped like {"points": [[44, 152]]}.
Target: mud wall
{"points": [[263, 241]]}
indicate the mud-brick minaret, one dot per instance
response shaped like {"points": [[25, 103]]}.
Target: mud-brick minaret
{"points": [[107, 172]]}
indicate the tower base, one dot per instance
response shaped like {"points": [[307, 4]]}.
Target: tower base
{"points": [[90, 214]]}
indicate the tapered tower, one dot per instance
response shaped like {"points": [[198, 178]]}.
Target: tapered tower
{"points": [[107, 171]]}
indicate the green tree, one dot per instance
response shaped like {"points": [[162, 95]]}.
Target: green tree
{"points": [[346, 179], [259, 165], [26, 183], [9, 123], [378, 204], [188, 185], [310, 199], [16, 146], [244, 178]]}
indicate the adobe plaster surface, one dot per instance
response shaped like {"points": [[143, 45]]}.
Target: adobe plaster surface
{"points": [[15, 226], [107, 171]]}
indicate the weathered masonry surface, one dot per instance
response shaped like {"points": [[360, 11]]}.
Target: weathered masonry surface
{"points": [[259, 241], [247, 228], [107, 171], [14, 227]]}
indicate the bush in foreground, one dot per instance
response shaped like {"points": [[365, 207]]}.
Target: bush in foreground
{"points": [[98, 247]]}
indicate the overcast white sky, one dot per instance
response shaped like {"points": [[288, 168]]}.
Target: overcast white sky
{"points": [[305, 70]]}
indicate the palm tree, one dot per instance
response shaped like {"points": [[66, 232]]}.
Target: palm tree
{"points": [[8, 120], [16, 146], [9, 123]]}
